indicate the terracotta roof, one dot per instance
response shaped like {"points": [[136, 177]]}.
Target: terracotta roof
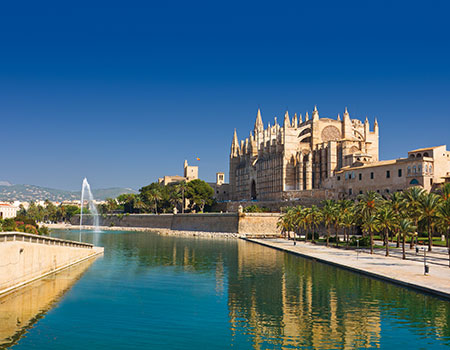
{"points": [[425, 149], [370, 165]]}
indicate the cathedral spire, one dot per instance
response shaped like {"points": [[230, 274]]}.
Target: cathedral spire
{"points": [[295, 121], [346, 114], [306, 116], [300, 119], [287, 122], [339, 117], [315, 115], [235, 139], [259, 123]]}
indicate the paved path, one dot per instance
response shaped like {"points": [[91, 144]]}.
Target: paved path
{"points": [[405, 272]]}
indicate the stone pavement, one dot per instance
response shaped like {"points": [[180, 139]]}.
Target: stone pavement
{"points": [[405, 272]]}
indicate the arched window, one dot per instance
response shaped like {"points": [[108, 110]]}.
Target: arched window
{"points": [[414, 169], [418, 155], [426, 154], [411, 156], [414, 182], [409, 170], [419, 169], [430, 169]]}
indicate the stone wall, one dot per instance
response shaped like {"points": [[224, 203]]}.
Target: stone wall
{"points": [[275, 206], [26, 257], [211, 222], [131, 220], [254, 223]]}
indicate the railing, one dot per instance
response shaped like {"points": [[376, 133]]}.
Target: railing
{"points": [[30, 238]]}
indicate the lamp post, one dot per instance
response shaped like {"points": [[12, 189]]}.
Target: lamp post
{"points": [[426, 268], [357, 249]]}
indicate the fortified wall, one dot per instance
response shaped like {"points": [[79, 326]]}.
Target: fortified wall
{"points": [[257, 224], [26, 257]]}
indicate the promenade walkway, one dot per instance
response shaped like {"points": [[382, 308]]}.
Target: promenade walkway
{"points": [[405, 272]]}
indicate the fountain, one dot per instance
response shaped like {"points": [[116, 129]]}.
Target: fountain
{"points": [[92, 207]]}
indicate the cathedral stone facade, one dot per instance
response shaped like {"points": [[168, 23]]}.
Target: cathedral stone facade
{"points": [[296, 159]]}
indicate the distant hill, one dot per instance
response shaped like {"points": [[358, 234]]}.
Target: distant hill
{"points": [[9, 192]]}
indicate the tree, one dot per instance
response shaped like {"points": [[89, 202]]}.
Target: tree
{"points": [[366, 208], [346, 212], [397, 204], [413, 196], [370, 226], [368, 204], [429, 205], [405, 228], [385, 220], [286, 222], [181, 189], [199, 193], [444, 218], [151, 194], [314, 218], [329, 210], [126, 201]]}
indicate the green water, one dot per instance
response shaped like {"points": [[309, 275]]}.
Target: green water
{"points": [[158, 292]]}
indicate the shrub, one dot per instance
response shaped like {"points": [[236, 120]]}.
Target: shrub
{"points": [[44, 230], [309, 236], [363, 241], [333, 239], [254, 208]]}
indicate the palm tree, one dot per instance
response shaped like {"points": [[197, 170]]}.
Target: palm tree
{"points": [[429, 205], [444, 216], [368, 204], [385, 219], [444, 191], [328, 215], [181, 188], [286, 221], [370, 226], [347, 221], [314, 218], [154, 194], [139, 204], [413, 196], [366, 209], [347, 217], [299, 214], [397, 203], [405, 228]]}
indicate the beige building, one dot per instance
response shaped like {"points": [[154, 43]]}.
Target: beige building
{"points": [[426, 167], [325, 158], [190, 173], [221, 189], [281, 162], [8, 211]]}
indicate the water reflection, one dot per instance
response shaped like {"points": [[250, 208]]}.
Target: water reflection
{"points": [[284, 301], [173, 292], [19, 311]]}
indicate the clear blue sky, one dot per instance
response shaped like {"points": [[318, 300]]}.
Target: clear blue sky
{"points": [[123, 91]]}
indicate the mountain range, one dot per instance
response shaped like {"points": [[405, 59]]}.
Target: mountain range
{"points": [[26, 193]]}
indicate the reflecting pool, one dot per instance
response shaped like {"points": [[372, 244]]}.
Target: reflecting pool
{"points": [[160, 292]]}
